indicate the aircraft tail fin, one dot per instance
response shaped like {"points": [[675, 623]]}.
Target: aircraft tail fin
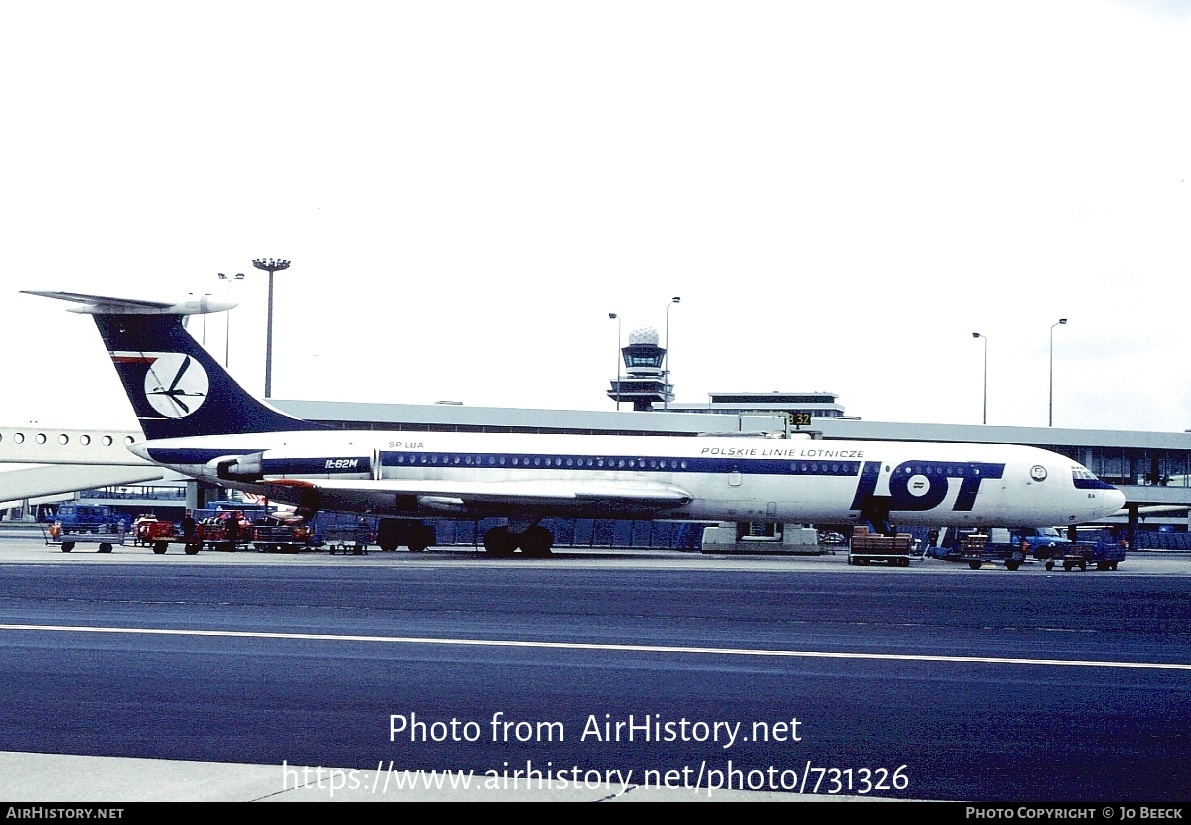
{"points": [[176, 388]]}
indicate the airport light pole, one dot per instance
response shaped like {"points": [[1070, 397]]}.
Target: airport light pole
{"points": [[1050, 416], [978, 335], [227, 329], [617, 317], [270, 265], [666, 388]]}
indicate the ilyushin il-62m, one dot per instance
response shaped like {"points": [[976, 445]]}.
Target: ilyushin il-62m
{"points": [[199, 422]]}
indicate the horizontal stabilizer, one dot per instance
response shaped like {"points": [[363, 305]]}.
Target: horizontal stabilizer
{"points": [[107, 305]]}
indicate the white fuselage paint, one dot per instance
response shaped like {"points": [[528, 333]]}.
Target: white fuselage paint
{"points": [[709, 478]]}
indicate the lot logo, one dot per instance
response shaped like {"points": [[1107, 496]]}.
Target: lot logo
{"points": [[918, 486], [175, 384]]}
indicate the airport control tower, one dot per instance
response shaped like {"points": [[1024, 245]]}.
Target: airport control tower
{"points": [[647, 381]]}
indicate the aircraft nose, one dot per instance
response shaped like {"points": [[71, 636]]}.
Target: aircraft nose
{"points": [[1114, 500]]}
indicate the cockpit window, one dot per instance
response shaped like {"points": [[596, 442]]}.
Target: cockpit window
{"points": [[1080, 472]]}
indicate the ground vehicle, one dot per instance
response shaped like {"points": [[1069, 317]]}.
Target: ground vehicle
{"points": [[867, 547], [147, 529], [152, 532], [225, 530], [1011, 547], [75, 523], [1040, 542], [106, 536], [277, 537], [995, 545], [88, 518], [348, 538], [1100, 548]]}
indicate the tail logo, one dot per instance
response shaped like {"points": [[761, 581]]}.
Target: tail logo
{"points": [[175, 383]]}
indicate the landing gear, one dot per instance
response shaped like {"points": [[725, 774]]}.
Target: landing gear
{"points": [[388, 535], [391, 533], [500, 543], [535, 542], [421, 537]]}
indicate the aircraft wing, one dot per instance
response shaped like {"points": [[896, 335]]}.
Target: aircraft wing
{"points": [[479, 496], [53, 479]]}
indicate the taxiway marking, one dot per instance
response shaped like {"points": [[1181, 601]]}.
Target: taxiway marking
{"points": [[622, 648]]}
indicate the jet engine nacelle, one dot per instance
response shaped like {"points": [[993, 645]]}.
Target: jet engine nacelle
{"points": [[237, 467]]}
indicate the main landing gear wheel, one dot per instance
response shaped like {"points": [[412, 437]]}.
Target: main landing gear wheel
{"points": [[536, 542], [421, 537], [500, 543]]}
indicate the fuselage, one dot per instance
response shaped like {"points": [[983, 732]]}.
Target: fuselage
{"points": [[705, 478]]}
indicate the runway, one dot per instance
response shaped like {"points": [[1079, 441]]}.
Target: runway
{"points": [[769, 674]]}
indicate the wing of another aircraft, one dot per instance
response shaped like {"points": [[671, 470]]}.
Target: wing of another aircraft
{"points": [[476, 496]]}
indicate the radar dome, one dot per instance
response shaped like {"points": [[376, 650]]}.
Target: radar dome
{"points": [[643, 335]]}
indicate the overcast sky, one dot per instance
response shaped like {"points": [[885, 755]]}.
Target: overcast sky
{"points": [[841, 194]]}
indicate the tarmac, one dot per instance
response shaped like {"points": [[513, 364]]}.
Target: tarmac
{"points": [[40, 778]]}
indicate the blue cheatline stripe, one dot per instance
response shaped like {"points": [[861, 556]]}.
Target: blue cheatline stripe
{"points": [[604, 463], [316, 466]]}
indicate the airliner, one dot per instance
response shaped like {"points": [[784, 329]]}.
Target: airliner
{"points": [[198, 421]]}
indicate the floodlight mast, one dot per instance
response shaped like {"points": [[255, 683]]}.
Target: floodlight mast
{"points": [[270, 265]]}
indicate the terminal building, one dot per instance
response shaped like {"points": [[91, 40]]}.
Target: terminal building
{"points": [[1153, 469]]}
